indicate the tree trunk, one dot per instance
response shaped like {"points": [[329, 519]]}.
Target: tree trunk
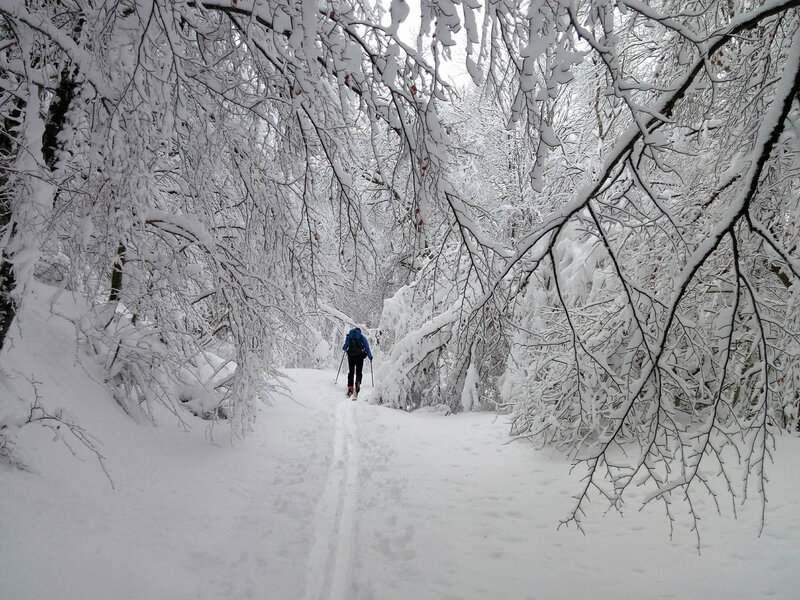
{"points": [[54, 125], [7, 284], [58, 117], [116, 274], [8, 309]]}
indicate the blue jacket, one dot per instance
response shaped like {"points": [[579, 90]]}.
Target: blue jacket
{"points": [[354, 334]]}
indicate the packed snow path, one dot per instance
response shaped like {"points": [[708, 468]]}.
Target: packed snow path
{"points": [[330, 499], [329, 565], [425, 506]]}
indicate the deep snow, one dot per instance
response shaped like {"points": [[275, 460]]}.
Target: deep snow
{"points": [[333, 499]]}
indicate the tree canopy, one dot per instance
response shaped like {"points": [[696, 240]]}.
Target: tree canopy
{"points": [[598, 232]]}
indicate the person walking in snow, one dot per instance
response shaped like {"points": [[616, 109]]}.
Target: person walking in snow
{"points": [[357, 348]]}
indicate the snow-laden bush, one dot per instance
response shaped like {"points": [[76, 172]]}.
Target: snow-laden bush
{"points": [[432, 359], [147, 367], [417, 362]]}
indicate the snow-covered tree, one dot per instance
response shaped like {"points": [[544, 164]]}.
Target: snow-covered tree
{"points": [[647, 308], [601, 236], [207, 159]]}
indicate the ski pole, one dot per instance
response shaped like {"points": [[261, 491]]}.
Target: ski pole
{"points": [[371, 373], [341, 362]]}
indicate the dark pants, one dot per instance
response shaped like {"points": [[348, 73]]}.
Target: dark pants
{"points": [[354, 364]]}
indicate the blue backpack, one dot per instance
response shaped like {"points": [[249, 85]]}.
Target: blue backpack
{"points": [[355, 344]]}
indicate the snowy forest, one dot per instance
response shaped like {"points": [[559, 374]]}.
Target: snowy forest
{"points": [[582, 214]]}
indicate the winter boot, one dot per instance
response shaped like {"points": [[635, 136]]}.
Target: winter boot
{"points": [[350, 391]]}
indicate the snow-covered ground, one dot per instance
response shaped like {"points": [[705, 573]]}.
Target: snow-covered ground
{"points": [[331, 499]]}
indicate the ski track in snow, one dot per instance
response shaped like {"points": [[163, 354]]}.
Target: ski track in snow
{"points": [[330, 560]]}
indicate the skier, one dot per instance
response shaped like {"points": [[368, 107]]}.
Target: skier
{"points": [[357, 348]]}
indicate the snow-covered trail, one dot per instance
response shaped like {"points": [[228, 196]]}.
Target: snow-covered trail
{"points": [[330, 499], [329, 565], [423, 506]]}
